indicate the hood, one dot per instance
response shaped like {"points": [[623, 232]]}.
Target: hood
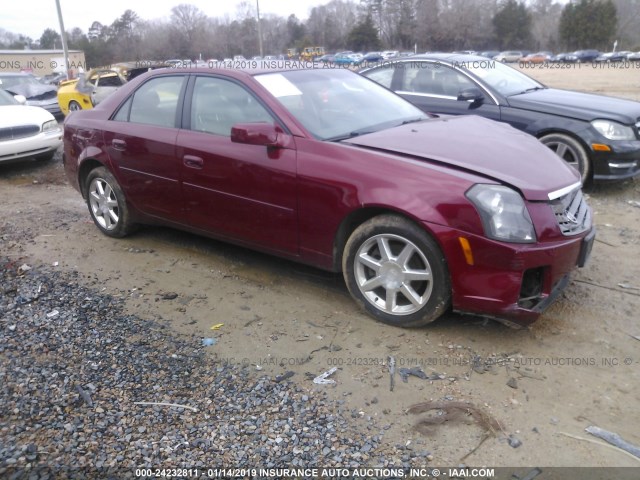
{"points": [[583, 106], [83, 86], [16, 115], [32, 90], [481, 146], [72, 81]]}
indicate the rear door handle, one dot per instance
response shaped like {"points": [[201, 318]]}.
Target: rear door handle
{"points": [[119, 144], [192, 161]]}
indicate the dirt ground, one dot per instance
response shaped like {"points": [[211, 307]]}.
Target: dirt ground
{"points": [[578, 365]]}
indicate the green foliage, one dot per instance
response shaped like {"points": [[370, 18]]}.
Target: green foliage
{"points": [[296, 30], [125, 25], [50, 39], [588, 24], [512, 25], [364, 36]]}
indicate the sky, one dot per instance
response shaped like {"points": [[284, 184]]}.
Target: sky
{"points": [[33, 17]]}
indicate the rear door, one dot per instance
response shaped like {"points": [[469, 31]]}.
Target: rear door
{"points": [[141, 141]]}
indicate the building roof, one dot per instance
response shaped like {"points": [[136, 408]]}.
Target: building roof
{"points": [[35, 52]]}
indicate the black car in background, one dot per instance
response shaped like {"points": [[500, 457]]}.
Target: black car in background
{"points": [[596, 134], [559, 58], [582, 56], [612, 57], [373, 57]]}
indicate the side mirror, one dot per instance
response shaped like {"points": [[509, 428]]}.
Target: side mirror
{"points": [[21, 99], [265, 134], [472, 95]]}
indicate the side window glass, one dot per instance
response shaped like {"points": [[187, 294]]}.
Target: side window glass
{"points": [[454, 82], [427, 78], [409, 82], [110, 79], [382, 75], [156, 102], [219, 104], [434, 79], [123, 112]]}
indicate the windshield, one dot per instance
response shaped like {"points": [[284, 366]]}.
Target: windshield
{"points": [[338, 104], [502, 78], [15, 80], [7, 99]]}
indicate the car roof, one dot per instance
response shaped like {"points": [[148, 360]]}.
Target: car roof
{"points": [[131, 65], [443, 57], [280, 67], [16, 74]]}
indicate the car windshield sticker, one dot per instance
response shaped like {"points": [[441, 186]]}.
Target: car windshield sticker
{"points": [[278, 85]]}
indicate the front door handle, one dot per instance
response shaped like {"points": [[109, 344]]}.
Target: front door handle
{"points": [[119, 144], [192, 161]]}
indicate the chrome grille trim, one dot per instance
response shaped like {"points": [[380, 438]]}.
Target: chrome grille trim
{"points": [[564, 191], [21, 131], [572, 213]]}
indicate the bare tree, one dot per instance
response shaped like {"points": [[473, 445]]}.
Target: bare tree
{"points": [[628, 34], [188, 25], [545, 15], [328, 25], [274, 30], [466, 24], [156, 44]]}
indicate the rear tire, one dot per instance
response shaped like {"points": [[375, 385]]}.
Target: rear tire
{"points": [[396, 272], [107, 203], [571, 151], [74, 106]]}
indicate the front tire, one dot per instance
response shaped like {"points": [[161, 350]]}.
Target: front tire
{"points": [[571, 151], [396, 272], [45, 157], [107, 203]]}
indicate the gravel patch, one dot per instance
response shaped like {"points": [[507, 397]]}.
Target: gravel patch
{"points": [[73, 364]]}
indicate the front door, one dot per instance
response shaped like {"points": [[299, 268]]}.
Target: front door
{"points": [[243, 192], [434, 88]]}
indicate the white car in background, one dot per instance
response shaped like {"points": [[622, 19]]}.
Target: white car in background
{"points": [[387, 54], [26, 131], [509, 56]]}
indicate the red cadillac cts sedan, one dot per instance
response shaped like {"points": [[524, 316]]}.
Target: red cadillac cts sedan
{"points": [[422, 214]]}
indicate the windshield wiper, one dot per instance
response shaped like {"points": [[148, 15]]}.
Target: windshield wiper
{"points": [[355, 133], [372, 129], [532, 89], [413, 120]]}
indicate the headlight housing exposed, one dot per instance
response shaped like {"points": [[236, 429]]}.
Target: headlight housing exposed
{"points": [[504, 215], [613, 130], [50, 125]]}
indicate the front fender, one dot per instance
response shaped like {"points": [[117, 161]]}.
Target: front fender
{"points": [[551, 123]]}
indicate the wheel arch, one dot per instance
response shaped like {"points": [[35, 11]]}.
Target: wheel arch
{"points": [[580, 140], [356, 218], [563, 131], [86, 167]]}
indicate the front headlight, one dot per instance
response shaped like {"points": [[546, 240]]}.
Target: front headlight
{"points": [[503, 212], [50, 126], [613, 130]]}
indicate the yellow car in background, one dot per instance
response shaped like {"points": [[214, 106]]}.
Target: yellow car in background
{"points": [[94, 86]]}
